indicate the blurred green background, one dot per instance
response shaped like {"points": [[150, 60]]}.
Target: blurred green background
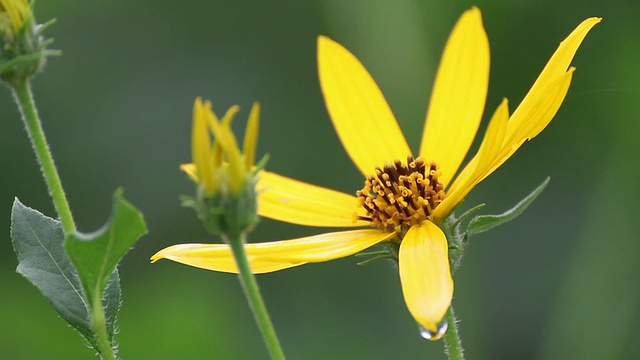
{"points": [[557, 283]]}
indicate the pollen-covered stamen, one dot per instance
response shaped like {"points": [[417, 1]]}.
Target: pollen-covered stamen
{"points": [[401, 195]]}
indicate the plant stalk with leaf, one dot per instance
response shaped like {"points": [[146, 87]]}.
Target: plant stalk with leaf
{"points": [[76, 272]]}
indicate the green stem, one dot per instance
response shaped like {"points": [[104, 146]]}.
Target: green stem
{"points": [[24, 98], [252, 293], [99, 327], [452, 343]]}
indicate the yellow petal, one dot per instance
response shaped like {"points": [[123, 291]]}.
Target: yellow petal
{"points": [[458, 96], [278, 255], [475, 171], [217, 154], [540, 110], [426, 279], [251, 137], [360, 114], [521, 122], [18, 11], [227, 140], [534, 113], [201, 145], [190, 170], [297, 202]]}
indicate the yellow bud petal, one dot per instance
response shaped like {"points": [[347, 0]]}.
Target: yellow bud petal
{"points": [[224, 136], [251, 137], [201, 146], [17, 10]]}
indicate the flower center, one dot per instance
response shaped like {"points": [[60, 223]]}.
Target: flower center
{"points": [[401, 195]]}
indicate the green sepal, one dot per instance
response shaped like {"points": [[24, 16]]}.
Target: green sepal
{"points": [[24, 53], [37, 241], [457, 235], [392, 248], [484, 223], [457, 222], [95, 255], [374, 256], [261, 164]]}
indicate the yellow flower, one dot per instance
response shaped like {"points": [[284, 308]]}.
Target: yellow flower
{"points": [[224, 155], [14, 12], [405, 200], [226, 177]]}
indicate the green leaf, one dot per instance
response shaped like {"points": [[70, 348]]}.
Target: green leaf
{"points": [[486, 222], [111, 300], [96, 255], [37, 241]]}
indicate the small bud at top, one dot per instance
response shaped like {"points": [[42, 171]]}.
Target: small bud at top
{"points": [[22, 46], [13, 14], [225, 176]]}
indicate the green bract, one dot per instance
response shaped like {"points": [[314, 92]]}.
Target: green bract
{"points": [[458, 235], [23, 48]]}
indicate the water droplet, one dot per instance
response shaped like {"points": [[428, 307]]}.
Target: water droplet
{"points": [[429, 335]]}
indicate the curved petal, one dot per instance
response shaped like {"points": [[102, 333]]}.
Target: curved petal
{"points": [[360, 114], [426, 279], [521, 122], [285, 199], [540, 110], [492, 144], [534, 113], [278, 255], [458, 97]]}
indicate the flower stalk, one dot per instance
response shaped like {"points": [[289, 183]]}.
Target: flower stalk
{"points": [[99, 327], [452, 343], [24, 98], [252, 292], [22, 55], [226, 197]]}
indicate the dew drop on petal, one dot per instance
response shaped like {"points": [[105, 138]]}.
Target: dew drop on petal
{"points": [[429, 335]]}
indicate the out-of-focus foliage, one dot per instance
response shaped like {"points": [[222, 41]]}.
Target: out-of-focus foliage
{"points": [[117, 110]]}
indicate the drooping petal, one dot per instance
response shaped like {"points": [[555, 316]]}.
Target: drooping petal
{"points": [[278, 255], [360, 114], [425, 276], [285, 199], [492, 144], [458, 97]]}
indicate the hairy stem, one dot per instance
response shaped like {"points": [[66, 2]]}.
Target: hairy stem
{"points": [[99, 327], [452, 342], [252, 292], [24, 98]]}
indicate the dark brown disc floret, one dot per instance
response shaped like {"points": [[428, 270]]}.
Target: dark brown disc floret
{"points": [[401, 195]]}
